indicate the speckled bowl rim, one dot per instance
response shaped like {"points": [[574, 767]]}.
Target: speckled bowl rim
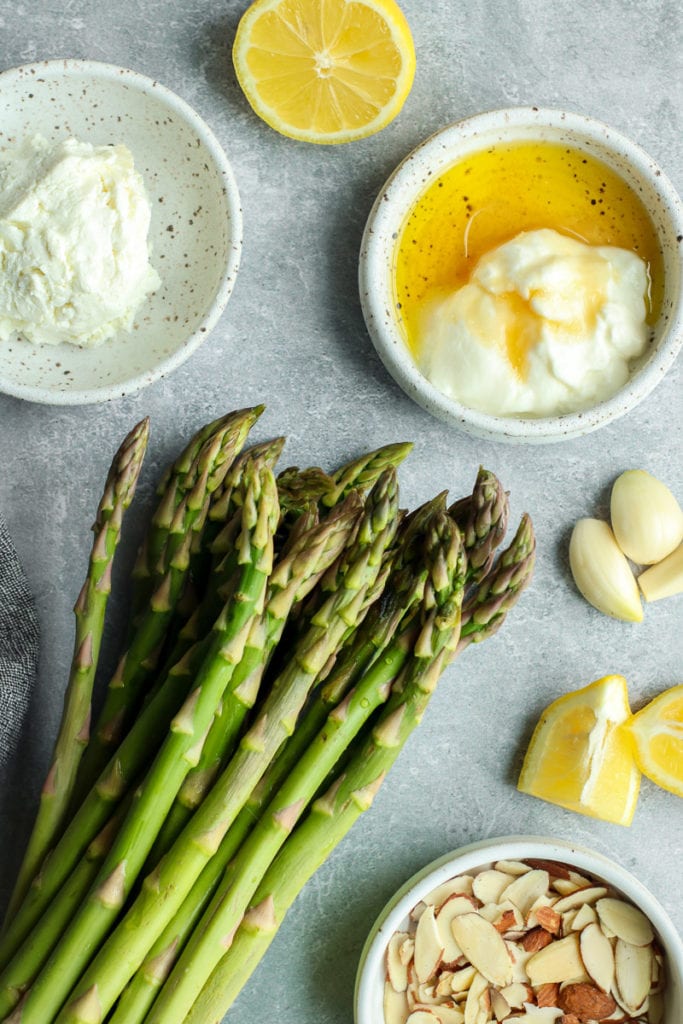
{"points": [[103, 70], [367, 1003], [397, 197]]}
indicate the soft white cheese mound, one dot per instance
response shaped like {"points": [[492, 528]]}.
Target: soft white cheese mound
{"points": [[545, 325], [74, 258]]}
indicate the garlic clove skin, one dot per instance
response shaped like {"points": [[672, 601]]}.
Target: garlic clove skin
{"points": [[602, 573], [646, 518], [664, 579]]}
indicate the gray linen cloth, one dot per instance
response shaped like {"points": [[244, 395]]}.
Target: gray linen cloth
{"points": [[19, 646]]}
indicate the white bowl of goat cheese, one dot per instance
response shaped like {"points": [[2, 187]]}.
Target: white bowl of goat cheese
{"points": [[120, 231]]}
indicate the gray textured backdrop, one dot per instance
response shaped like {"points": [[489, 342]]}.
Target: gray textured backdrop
{"points": [[293, 336]]}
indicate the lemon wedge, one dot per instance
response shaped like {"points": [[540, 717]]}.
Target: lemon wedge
{"points": [[657, 733], [581, 757], [325, 71]]}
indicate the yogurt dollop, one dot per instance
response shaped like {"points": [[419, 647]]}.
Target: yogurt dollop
{"points": [[546, 325], [74, 220]]}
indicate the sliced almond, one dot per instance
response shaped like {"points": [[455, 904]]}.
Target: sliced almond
{"points": [[475, 1013], [483, 947], [396, 966], [579, 880], [587, 1002], [549, 919], [585, 915], [625, 921], [633, 974], [443, 985], [564, 886], [538, 1015], [598, 956], [568, 919], [499, 1005], [506, 921], [428, 946], [406, 950], [553, 867], [462, 979], [396, 1008], [512, 867], [452, 908], [526, 889], [548, 994], [516, 995], [422, 1017], [536, 940], [589, 894], [488, 885], [460, 886], [560, 961]]}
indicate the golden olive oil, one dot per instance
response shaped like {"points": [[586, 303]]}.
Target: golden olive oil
{"points": [[491, 196]]}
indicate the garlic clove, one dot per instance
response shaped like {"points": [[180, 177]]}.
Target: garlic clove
{"points": [[601, 571], [646, 518], [664, 579]]}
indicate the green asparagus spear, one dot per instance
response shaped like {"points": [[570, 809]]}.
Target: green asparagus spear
{"points": [[90, 611], [361, 473], [169, 573], [165, 889], [173, 486], [178, 753], [483, 519]]}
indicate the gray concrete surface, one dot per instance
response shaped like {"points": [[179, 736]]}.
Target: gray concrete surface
{"points": [[293, 337]]}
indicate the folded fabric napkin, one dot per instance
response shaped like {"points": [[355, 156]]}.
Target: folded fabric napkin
{"points": [[19, 645]]}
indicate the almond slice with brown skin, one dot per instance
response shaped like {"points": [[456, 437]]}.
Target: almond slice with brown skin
{"points": [[560, 961], [590, 894], [406, 951], [488, 885], [484, 948], [549, 919], [452, 908], [536, 940], [597, 955], [417, 911], [397, 969], [460, 886], [633, 974], [553, 867], [587, 1002], [548, 994], [423, 1017], [526, 889], [428, 946], [625, 921], [396, 1008]]}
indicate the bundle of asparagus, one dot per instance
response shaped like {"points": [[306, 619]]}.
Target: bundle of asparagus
{"points": [[286, 636]]}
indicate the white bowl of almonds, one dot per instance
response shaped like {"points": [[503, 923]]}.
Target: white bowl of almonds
{"points": [[522, 929]]}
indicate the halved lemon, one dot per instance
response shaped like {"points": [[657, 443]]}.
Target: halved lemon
{"points": [[581, 757], [657, 733], [325, 71]]}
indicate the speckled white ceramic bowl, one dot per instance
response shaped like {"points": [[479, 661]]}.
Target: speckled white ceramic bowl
{"points": [[196, 230], [478, 856], [441, 151]]}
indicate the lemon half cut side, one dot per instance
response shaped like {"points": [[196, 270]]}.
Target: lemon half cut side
{"points": [[581, 756], [325, 71]]}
